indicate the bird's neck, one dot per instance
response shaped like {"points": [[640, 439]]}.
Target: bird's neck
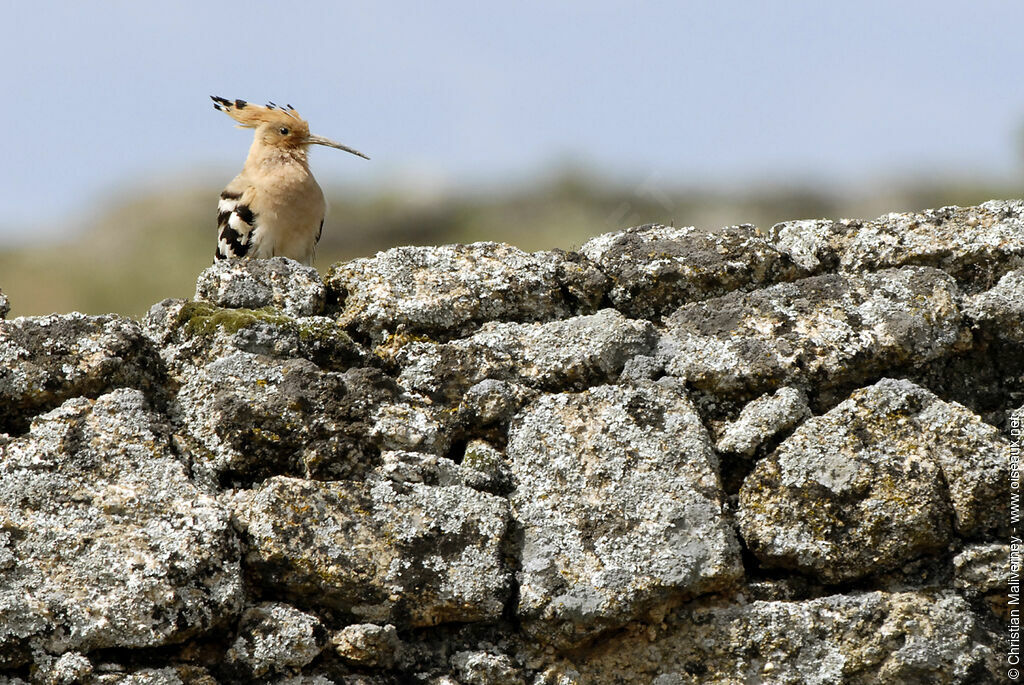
{"points": [[267, 158]]}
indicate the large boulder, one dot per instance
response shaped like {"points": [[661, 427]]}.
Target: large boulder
{"points": [[886, 476], [104, 540], [618, 498], [386, 551], [822, 331]]}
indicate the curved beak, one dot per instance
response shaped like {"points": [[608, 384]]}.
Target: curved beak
{"points": [[319, 140]]}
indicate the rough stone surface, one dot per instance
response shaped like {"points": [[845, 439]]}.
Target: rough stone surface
{"points": [[491, 401], [67, 669], [483, 668], [252, 416], [678, 456], [406, 554], [975, 245], [193, 334], [983, 573], [618, 497], [859, 638], [416, 467], [46, 360], [367, 644], [275, 638], [982, 569], [5, 305], [104, 541], [280, 282], [573, 353], [814, 245], [823, 330], [654, 269], [763, 419], [999, 312], [412, 426], [883, 478], [481, 457], [446, 291]]}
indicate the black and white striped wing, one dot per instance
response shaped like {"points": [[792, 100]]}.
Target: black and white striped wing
{"points": [[235, 225]]}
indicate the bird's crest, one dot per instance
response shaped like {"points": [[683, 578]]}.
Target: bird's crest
{"points": [[286, 130], [249, 115]]}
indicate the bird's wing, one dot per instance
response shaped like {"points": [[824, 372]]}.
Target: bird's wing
{"points": [[235, 221]]}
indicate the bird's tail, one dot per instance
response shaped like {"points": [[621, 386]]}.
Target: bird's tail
{"points": [[249, 115]]}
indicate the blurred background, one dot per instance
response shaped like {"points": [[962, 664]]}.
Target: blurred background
{"points": [[536, 123]]}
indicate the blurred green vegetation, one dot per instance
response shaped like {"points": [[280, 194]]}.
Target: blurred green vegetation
{"points": [[152, 246]]}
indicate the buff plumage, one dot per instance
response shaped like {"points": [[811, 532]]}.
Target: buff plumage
{"points": [[274, 207]]}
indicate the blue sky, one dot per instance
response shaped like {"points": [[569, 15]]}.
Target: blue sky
{"points": [[104, 97]]}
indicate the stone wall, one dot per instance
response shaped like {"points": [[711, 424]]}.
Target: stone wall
{"points": [[674, 456]]}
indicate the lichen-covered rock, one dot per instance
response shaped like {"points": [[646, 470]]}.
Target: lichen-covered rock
{"points": [[618, 498], [484, 668], [104, 541], [579, 277], [275, 638], [812, 244], [192, 334], [973, 455], [113, 674], [826, 330], [975, 245], [855, 639], [877, 481], [69, 668], [46, 360], [984, 572], [491, 401], [367, 644], [251, 416], [406, 554], [280, 282], [999, 312], [412, 426], [446, 291], [655, 269], [484, 458], [470, 464], [568, 354], [763, 419], [981, 569], [5, 305], [416, 467]]}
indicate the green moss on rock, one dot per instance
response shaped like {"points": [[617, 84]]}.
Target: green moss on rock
{"points": [[205, 319]]}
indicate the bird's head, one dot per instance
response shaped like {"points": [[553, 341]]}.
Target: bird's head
{"points": [[276, 126]]}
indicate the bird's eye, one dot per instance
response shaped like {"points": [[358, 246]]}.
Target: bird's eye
{"points": [[283, 130]]}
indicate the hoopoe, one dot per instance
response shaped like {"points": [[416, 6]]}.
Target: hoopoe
{"points": [[274, 208]]}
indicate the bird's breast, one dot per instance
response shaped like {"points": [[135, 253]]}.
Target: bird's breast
{"points": [[289, 210]]}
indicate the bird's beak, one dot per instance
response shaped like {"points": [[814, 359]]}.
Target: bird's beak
{"points": [[318, 140]]}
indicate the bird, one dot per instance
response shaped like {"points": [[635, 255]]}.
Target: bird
{"points": [[274, 207]]}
